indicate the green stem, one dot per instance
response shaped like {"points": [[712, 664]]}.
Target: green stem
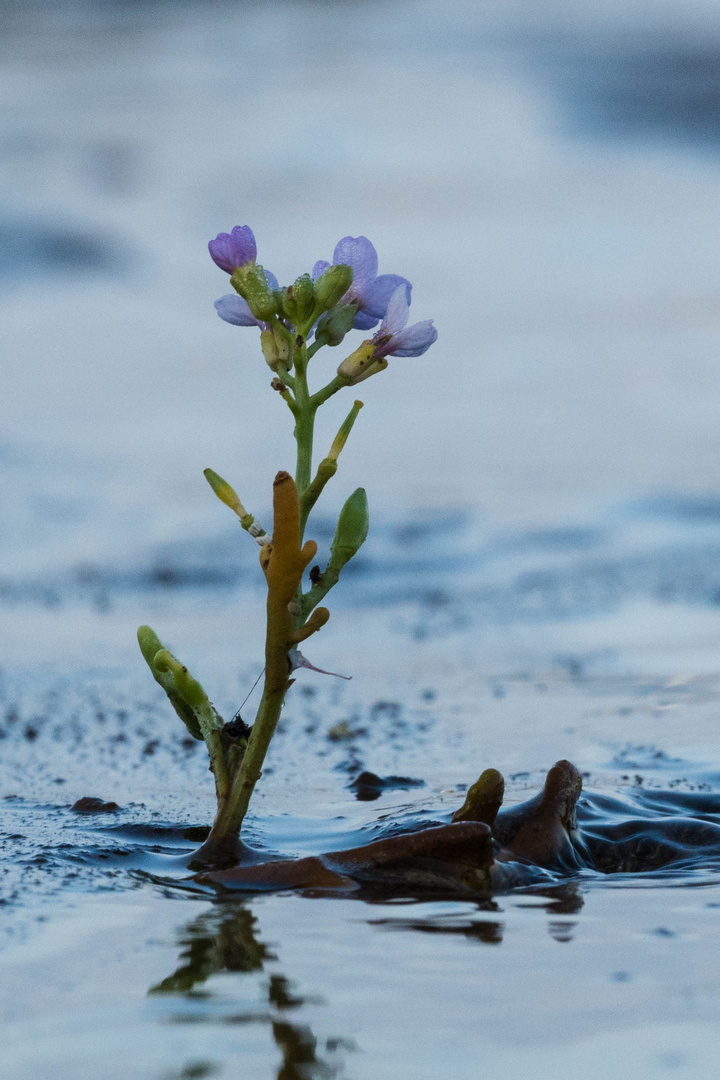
{"points": [[304, 422], [232, 809], [307, 406], [328, 466], [235, 791], [313, 597], [285, 375], [327, 391]]}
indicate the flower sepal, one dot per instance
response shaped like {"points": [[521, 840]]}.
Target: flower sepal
{"points": [[298, 301], [332, 285], [334, 325], [275, 350], [361, 364], [252, 283]]}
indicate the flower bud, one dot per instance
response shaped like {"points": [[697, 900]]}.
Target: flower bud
{"points": [[351, 531], [275, 350], [361, 364], [332, 327], [299, 300], [250, 281], [332, 285]]}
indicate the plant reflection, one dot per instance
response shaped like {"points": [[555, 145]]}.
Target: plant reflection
{"points": [[565, 899], [226, 939], [216, 941]]}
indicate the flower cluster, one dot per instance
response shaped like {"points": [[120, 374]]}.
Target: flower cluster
{"points": [[337, 297]]}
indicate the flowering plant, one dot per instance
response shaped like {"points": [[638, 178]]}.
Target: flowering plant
{"points": [[318, 309]]}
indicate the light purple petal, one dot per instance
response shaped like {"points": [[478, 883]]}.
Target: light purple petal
{"points": [[398, 312], [358, 253], [377, 296], [319, 269], [363, 321], [233, 309], [297, 660], [271, 280], [234, 249], [414, 340]]}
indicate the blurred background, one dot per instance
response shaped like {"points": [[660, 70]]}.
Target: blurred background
{"points": [[542, 574], [547, 176]]}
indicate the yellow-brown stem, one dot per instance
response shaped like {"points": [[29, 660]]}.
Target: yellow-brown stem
{"points": [[284, 563]]}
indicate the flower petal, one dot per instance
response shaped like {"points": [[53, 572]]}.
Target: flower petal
{"points": [[233, 309], [297, 660], [363, 321], [319, 269], [398, 312], [234, 249], [414, 340], [377, 296], [358, 253], [271, 280]]}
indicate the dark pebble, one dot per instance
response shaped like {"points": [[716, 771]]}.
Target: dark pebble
{"points": [[368, 786], [91, 805]]}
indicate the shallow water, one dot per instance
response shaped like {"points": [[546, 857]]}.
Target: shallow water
{"points": [[113, 960], [547, 586]]}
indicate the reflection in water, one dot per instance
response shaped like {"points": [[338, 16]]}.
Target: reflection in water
{"points": [[562, 899], [216, 941], [225, 939]]}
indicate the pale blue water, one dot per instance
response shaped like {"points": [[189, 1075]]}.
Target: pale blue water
{"points": [[541, 578]]}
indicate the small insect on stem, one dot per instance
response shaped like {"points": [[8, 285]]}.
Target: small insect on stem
{"points": [[236, 728]]}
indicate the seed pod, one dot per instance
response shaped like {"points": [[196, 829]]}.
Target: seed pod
{"points": [[164, 674], [150, 644], [351, 531], [188, 688]]}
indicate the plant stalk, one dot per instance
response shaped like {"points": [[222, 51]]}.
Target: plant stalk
{"points": [[283, 562]]}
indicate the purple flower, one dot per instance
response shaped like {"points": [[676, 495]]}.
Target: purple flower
{"points": [[395, 337], [234, 249], [370, 292]]}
